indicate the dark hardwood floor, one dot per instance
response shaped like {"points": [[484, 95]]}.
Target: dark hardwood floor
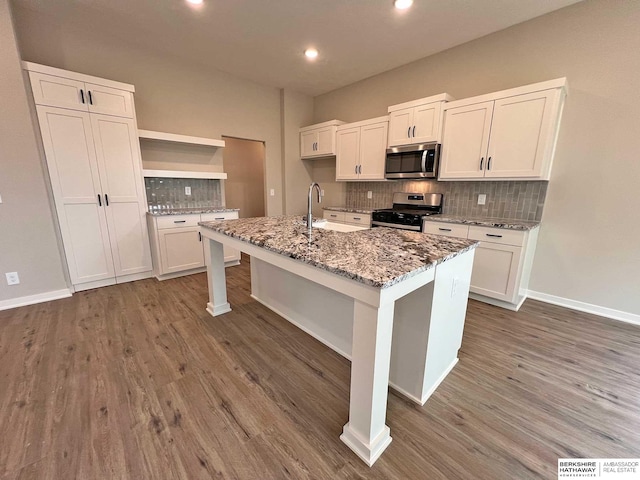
{"points": [[137, 381]]}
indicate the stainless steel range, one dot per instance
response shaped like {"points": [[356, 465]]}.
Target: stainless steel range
{"points": [[408, 210]]}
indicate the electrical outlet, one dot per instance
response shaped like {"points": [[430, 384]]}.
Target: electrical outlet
{"points": [[322, 193], [482, 199], [369, 194], [0, 198], [187, 190], [12, 278], [272, 192]]}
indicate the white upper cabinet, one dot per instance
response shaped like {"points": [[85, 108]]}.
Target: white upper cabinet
{"points": [[418, 121], [58, 88], [109, 101], [348, 153], [505, 135], [466, 137], [319, 140], [58, 92], [361, 150]]}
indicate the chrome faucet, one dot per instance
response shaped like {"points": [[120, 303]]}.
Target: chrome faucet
{"points": [[309, 203]]}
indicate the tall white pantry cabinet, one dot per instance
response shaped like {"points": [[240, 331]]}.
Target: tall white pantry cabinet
{"points": [[91, 146]]}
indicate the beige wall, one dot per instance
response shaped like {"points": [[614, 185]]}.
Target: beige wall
{"points": [[28, 242], [589, 245], [171, 96], [297, 111], [244, 187]]}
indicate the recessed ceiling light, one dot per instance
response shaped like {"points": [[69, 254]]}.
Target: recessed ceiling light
{"points": [[195, 2], [311, 53], [402, 4]]}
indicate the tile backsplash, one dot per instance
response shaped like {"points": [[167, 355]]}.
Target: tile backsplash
{"points": [[509, 200], [170, 193]]}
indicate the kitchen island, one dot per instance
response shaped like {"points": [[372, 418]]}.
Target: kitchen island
{"points": [[354, 292]]}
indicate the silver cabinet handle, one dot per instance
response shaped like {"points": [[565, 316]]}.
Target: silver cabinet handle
{"points": [[445, 229], [359, 169], [199, 237], [489, 164], [82, 95], [414, 131], [99, 201], [493, 235], [481, 162], [357, 218], [409, 132], [219, 218], [333, 215], [179, 221]]}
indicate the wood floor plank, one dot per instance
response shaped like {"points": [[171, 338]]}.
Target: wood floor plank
{"points": [[137, 381]]}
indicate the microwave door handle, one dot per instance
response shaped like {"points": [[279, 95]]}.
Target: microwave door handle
{"points": [[424, 161]]}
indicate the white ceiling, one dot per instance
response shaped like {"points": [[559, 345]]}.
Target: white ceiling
{"points": [[263, 40]]}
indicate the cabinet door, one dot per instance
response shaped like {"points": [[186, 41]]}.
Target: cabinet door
{"points": [[465, 140], [348, 153], [373, 151], [58, 91], [522, 134], [109, 101], [426, 119], [118, 154], [71, 159], [326, 141], [495, 270], [180, 249], [400, 127], [308, 141]]}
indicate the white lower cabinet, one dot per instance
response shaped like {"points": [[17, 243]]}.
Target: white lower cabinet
{"points": [[502, 262], [180, 249], [362, 219], [178, 246]]}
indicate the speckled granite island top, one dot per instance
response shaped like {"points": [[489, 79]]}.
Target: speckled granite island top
{"points": [[364, 211], [188, 211], [379, 257], [485, 221]]}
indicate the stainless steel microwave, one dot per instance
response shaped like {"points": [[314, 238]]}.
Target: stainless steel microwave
{"points": [[413, 161]]}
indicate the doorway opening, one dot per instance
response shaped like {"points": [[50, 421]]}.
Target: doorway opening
{"points": [[244, 164]]}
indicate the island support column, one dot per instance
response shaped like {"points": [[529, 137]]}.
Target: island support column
{"points": [[216, 278], [366, 433]]}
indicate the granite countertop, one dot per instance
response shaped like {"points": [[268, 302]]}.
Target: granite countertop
{"points": [[364, 211], [379, 257], [485, 221], [187, 211]]}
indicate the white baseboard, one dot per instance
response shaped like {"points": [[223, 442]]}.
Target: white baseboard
{"points": [[586, 307], [33, 299]]}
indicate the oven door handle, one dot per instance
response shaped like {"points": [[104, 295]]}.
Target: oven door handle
{"points": [[424, 161]]}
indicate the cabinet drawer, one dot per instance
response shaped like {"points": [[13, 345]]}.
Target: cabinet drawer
{"points": [[448, 229], [210, 217], [358, 219], [176, 221], [334, 216], [503, 236]]}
